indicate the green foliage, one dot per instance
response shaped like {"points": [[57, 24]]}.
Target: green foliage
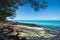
{"points": [[8, 7]]}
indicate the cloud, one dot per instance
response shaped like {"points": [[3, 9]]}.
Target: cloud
{"points": [[55, 18]]}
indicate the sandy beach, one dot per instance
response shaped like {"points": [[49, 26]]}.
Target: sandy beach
{"points": [[34, 33], [38, 33]]}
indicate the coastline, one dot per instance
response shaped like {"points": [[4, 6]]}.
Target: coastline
{"points": [[55, 25], [33, 32]]}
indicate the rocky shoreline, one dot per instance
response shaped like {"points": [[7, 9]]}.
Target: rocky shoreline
{"points": [[27, 32]]}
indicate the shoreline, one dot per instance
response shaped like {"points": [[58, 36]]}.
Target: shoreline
{"points": [[33, 25], [29, 24], [33, 32], [44, 26], [38, 32]]}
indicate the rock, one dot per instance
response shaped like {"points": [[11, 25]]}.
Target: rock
{"points": [[24, 38], [1, 37], [29, 33], [13, 33]]}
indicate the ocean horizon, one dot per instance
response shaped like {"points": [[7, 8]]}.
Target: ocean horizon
{"points": [[53, 24]]}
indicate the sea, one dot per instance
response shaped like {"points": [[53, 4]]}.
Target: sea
{"points": [[53, 24]]}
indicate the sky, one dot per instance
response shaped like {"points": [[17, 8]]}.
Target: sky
{"points": [[52, 12]]}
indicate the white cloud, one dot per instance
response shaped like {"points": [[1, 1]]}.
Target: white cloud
{"points": [[55, 18]]}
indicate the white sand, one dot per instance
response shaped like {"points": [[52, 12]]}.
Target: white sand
{"points": [[35, 31]]}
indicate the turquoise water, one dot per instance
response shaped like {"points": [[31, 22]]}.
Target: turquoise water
{"points": [[44, 23]]}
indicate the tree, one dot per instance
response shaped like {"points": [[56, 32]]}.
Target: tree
{"points": [[8, 7]]}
